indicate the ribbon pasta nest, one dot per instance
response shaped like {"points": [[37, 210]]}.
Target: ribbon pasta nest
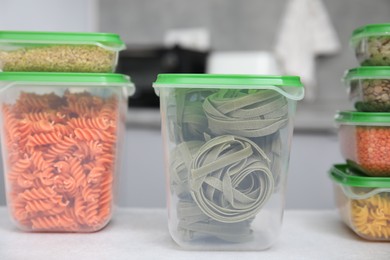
{"points": [[222, 177]]}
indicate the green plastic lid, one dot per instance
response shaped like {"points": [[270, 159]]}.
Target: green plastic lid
{"points": [[290, 86], [64, 77], [85, 79], [367, 72], [101, 39], [363, 118], [370, 30], [342, 174]]}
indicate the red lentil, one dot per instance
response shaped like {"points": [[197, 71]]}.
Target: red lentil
{"points": [[373, 150]]}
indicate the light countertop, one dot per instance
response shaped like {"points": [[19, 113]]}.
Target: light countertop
{"points": [[143, 234]]}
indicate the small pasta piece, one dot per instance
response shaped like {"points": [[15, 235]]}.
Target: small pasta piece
{"points": [[56, 222], [34, 206], [38, 162], [90, 123], [93, 134], [37, 194], [64, 130], [44, 139], [41, 126]]}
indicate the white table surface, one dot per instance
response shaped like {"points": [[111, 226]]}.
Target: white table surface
{"points": [[143, 234]]}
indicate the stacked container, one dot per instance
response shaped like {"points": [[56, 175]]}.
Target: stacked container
{"points": [[62, 121], [362, 186]]}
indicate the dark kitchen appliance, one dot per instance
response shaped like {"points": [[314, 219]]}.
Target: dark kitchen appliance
{"points": [[143, 63]]}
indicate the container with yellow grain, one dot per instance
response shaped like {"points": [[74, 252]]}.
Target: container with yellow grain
{"points": [[59, 51], [227, 146]]}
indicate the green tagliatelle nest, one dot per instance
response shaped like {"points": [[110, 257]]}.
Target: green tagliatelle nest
{"points": [[230, 179], [193, 222], [222, 184], [59, 58], [180, 163], [254, 114], [227, 158]]}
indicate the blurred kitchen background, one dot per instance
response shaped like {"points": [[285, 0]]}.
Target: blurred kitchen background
{"points": [[304, 37]]}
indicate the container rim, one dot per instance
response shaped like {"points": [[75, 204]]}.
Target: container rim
{"points": [[289, 86], [367, 72], [342, 174], [370, 118], [108, 40], [370, 30], [63, 77]]}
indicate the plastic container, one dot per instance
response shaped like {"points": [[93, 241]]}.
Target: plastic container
{"points": [[369, 88], [59, 51], [226, 144], [60, 136], [372, 44], [364, 140], [363, 202]]}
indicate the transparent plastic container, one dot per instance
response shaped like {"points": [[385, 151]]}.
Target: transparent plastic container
{"points": [[364, 140], [59, 52], [60, 138], [372, 44], [363, 202], [369, 88], [227, 144]]}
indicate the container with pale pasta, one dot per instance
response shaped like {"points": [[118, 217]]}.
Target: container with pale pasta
{"points": [[60, 137], [227, 144], [59, 51], [363, 202]]}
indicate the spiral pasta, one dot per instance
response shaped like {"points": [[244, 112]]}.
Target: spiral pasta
{"points": [[249, 115], [371, 217], [60, 159]]}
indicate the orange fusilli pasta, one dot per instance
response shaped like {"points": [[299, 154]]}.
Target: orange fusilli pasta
{"points": [[60, 160]]}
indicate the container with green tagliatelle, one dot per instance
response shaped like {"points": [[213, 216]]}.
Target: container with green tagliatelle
{"points": [[227, 144]]}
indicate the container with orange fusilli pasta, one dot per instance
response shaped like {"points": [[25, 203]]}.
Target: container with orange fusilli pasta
{"points": [[60, 152]]}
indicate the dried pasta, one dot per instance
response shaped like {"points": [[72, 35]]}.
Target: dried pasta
{"points": [[60, 158], [371, 217]]}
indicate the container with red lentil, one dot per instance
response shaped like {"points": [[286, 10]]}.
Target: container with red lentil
{"points": [[364, 140], [369, 88]]}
